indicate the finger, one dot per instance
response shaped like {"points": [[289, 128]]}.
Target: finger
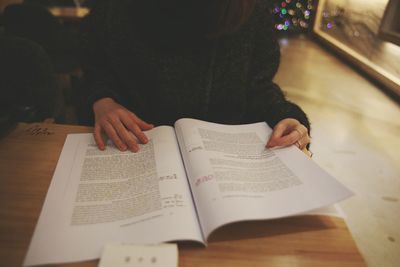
{"points": [[286, 140], [98, 138], [301, 130], [125, 136], [279, 130], [305, 141], [141, 123], [112, 134], [135, 129], [298, 144], [282, 128], [276, 134], [139, 134]]}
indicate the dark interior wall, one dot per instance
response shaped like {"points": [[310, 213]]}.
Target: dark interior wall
{"points": [[4, 3]]}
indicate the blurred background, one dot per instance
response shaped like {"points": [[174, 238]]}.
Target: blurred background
{"points": [[350, 28]]}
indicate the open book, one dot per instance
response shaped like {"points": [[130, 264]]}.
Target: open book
{"points": [[185, 183]]}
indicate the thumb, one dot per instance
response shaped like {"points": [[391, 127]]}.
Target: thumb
{"points": [[277, 133]]}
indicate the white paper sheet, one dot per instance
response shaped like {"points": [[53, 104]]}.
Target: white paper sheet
{"points": [[60, 237], [235, 178]]}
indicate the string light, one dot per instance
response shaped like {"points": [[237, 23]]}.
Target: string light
{"points": [[293, 15]]}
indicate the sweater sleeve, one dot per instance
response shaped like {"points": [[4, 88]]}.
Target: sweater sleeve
{"points": [[100, 81], [265, 99]]}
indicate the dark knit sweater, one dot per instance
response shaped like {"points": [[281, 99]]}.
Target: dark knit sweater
{"points": [[157, 65]]}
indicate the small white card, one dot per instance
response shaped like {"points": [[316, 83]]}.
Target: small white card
{"points": [[126, 255]]}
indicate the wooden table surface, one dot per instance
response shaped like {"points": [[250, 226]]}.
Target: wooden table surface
{"points": [[28, 157], [355, 137]]}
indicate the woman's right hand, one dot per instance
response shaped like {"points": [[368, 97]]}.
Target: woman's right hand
{"points": [[122, 126]]}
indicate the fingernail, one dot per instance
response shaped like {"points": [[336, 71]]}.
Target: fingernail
{"points": [[135, 149]]}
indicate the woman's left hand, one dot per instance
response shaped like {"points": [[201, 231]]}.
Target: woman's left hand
{"points": [[288, 132]]}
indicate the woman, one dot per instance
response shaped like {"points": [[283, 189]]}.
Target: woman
{"points": [[158, 61]]}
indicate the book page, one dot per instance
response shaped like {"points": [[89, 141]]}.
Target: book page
{"points": [[97, 197], [233, 176]]}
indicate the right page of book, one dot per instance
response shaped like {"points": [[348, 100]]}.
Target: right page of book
{"points": [[234, 177]]}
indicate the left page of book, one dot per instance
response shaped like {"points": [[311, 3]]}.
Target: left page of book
{"points": [[97, 197]]}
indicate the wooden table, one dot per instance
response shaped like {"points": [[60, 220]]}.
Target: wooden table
{"points": [[28, 157]]}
